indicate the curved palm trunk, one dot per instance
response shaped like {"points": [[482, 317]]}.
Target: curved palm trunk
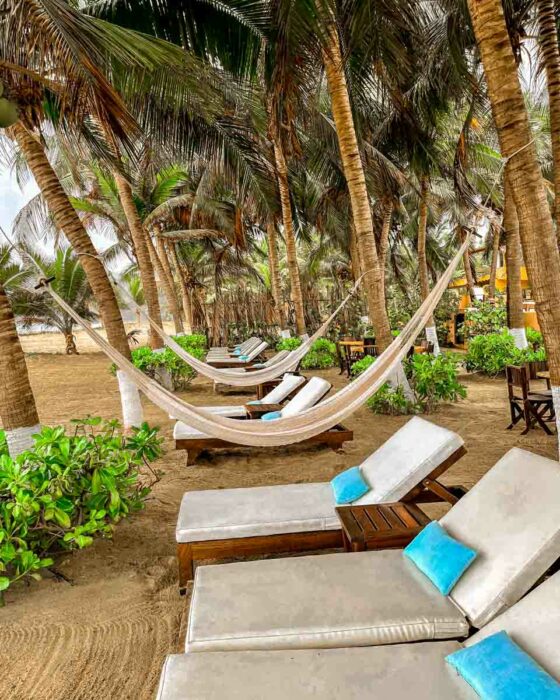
{"points": [[548, 40], [274, 266], [384, 245], [162, 250], [538, 238], [18, 412], [468, 270], [495, 260], [289, 236], [516, 320], [431, 332], [354, 254], [185, 292], [67, 220], [168, 290], [145, 266], [355, 178]]}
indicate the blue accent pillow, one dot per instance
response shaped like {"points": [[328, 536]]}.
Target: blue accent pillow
{"points": [[349, 485], [439, 556], [243, 357], [498, 669], [237, 352], [254, 403], [272, 415]]}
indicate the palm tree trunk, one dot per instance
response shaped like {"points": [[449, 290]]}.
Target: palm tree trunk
{"points": [[145, 266], [168, 291], [18, 412], [185, 292], [67, 220], [516, 320], [289, 236], [274, 266], [176, 307], [354, 254], [536, 229], [431, 332], [496, 228], [468, 269], [548, 39], [355, 178]]}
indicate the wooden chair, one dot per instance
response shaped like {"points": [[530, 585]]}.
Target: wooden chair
{"points": [[533, 407]]}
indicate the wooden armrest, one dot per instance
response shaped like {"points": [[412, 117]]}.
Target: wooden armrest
{"points": [[257, 410]]}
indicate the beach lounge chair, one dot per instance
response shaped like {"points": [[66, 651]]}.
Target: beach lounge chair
{"points": [[285, 389], [379, 597], [194, 441], [301, 517], [398, 672], [243, 347], [226, 362]]}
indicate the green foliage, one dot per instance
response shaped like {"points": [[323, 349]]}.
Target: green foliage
{"points": [[491, 353], [535, 339], [148, 361], [432, 380], [68, 489], [485, 318], [321, 356], [361, 365], [288, 344]]}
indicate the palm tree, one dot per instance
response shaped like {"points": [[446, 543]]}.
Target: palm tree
{"points": [[516, 321], [536, 229], [18, 411], [70, 282]]}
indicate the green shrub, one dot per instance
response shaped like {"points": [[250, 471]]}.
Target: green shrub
{"points": [[432, 380], [148, 361], [535, 339], [485, 318], [321, 356], [288, 344], [491, 353], [68, 489]]}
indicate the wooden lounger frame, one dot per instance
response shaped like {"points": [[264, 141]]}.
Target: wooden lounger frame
{"points": [[333, 438], [430, 490]]}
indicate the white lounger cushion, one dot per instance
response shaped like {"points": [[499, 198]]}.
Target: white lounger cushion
{"points": [[333, 600], [397, 672], [255, 352], [308, 396], [375, 672], [289, 383], [510, 517], [265, 510], [270, 510]]}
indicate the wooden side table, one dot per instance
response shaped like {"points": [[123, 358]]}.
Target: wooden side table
{"points": [[259, 409], [383, 526]]}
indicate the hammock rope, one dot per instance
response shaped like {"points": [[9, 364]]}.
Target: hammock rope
{"points": [[290, 430], [234, 377]]}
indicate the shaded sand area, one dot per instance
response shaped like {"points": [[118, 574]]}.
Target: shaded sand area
{"points": [[104, 635]]}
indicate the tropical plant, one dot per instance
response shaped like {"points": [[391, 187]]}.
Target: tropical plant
{"points": [[71, 486], [68, 280], [485, 317], [493, 352]]}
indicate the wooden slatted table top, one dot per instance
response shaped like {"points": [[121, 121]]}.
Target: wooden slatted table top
{"points": [[259, 409], [383, 526]]}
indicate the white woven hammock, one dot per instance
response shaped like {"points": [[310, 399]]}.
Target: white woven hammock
{"points": [[285, 431], [234, 377]]}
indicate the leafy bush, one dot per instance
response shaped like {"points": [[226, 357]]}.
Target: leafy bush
{"points": [[535, 339], [432, 380], [491, 353], [485, 318], [321, 356], [68, 489], [148, 361], [288, 344]]}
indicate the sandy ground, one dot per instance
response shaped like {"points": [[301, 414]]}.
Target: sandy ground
{"points": [[104, 635]]}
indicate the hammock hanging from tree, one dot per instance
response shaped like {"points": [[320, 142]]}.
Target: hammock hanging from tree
{"points": [[234, 377], [293, 429]]}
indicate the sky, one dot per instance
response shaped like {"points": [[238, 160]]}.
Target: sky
{"points": [[12, 198]]}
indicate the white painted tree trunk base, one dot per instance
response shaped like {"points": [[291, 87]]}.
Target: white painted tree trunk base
{"points": [[132, 411], [162, 375], [286, 333], [520, 337], [431, 337], [399, 378], [21, 439]]}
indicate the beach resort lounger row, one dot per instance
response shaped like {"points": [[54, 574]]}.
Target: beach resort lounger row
{"points": [[195, 441], [510, 518], [398, 672], [242, 348], [302, 517], [242, 360]]}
